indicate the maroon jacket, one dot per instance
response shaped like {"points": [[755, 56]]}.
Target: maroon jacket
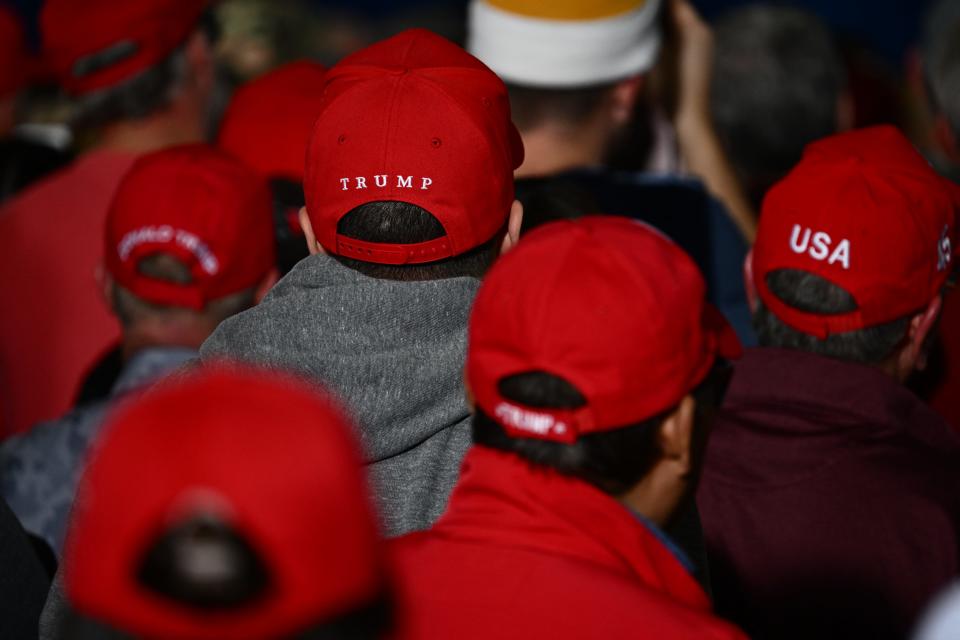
{"points": [[524, 552], [830, 500]]}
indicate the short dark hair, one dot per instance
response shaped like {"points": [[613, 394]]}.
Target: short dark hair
{"points": [[130, 308], [613, 461], [532, 106], [777, 79], [808, 292], [395, 222]]}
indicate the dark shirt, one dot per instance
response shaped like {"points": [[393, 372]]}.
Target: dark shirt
{"points": [[830, 500], [23, 580]]}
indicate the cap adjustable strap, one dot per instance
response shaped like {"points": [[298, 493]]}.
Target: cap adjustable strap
{"points": [[385, 253]]}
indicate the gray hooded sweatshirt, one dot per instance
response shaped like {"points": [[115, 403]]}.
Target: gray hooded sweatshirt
{"points": [[394, 353]]}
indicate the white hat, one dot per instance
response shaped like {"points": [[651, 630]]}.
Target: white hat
{"points": [[564, 43]]}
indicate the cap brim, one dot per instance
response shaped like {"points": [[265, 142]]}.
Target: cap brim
{"points": [[728, 344]]}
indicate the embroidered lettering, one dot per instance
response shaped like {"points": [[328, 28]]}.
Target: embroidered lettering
{"points": [[819, 246]]}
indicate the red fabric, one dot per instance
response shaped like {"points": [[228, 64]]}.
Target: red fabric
{"points": [[523, 552], [269, 455], [15, 59], [829, 500], [608, 304], [415, 119], [150, 29], [866, 212], [200, 205], [269, 120], [55, 322]]}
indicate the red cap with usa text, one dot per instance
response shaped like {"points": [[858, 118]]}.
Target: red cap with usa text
{"points": [[865, 212], [414, 119], [201, 206], [271, 458], [95, 44], [610, 305]]}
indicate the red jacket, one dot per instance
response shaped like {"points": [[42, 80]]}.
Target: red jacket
{"points": [[55, 323], [524, 552]]}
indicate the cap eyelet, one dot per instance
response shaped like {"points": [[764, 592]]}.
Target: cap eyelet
{"points": [[485, 101], [436, 142], [341, 139]]}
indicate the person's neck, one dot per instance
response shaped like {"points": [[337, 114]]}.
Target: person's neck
{"points": [[552, 149], [139, 339], [152, 133]]}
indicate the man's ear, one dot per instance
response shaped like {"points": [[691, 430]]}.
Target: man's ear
{"points": [[312, 245], [265, 285], [514, 223], [748, 284], [676, 436], [624, 99], [914, 354]]}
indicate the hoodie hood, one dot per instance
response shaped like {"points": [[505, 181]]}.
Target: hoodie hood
{"points": [[393, 351]]}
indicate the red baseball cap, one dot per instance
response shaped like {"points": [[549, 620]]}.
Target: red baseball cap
{"points": [[416, 119], [266, 454], [864, 211], [269, 120], [610, 305], [200, 205], [94, 44]]}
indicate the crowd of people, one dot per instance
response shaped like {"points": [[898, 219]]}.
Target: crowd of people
{"points": [[609, 323]]}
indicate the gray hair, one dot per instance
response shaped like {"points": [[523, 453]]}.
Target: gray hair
{"points": [[131, 309], [777, 80], [807, 292], [149, 91]]}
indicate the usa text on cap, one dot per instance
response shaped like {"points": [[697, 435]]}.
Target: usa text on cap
{"points": [[865, 212]]}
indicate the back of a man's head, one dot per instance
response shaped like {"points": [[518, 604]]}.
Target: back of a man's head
{"points": [[129, 61], [853, 250], [778, 84], [573, 68], [188, 242], [567, 375], [409, 172]]}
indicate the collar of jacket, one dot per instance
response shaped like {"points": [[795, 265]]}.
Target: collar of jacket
{"points": [[503, 500]]}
